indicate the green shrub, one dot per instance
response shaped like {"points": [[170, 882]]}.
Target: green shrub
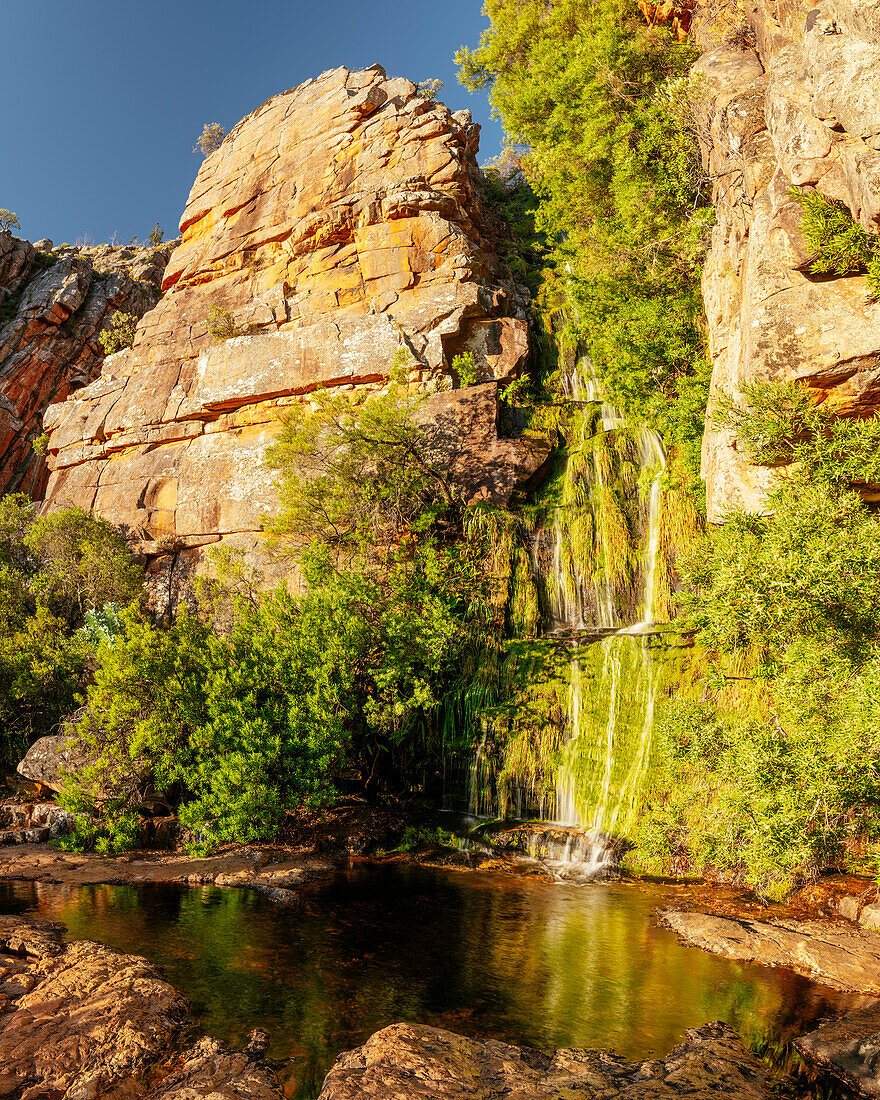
{"points": [[464, 367], [210, 139], [839, 242], [8, 220], [156, 235], [118, 333]]}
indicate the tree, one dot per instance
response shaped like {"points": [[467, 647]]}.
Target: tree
{"points": [[581, 88], [156, 235], [431, 89], [361, 469], [53, 571], [210, 139], [8, 220]]}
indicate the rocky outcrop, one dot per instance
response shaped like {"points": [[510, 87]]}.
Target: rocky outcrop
{"points": [[849, 1049], [82, 1022], [338, 225], [410, 1062], [836, 953], [53, 306], [790, 99], [78, 1019], [210, 1069], [50, 758]]}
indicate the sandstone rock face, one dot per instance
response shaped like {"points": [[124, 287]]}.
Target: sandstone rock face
{"points": [[82, 1022], [849, 1049], [410, 1062], [53, 306], [838, 954], [77, 1019], [801, 108], [339, 224]]}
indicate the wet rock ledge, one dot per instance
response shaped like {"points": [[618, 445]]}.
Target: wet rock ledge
{"points": [[408, 1062], [79, 1021]]}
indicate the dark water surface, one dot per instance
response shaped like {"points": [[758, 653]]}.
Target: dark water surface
{"points": [[515, 959]]}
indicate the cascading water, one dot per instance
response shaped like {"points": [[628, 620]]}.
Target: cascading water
{"points": [[576, 752], [611, 682]]}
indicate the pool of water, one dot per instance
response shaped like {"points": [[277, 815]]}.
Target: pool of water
{"points": [[524, 961]]}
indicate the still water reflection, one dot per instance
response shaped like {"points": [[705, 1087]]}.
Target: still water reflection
{"points": [[519, 960]]}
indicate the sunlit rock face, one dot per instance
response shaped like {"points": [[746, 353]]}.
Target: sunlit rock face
{"points": [[53, 306], [338, 224], [801, 109]]}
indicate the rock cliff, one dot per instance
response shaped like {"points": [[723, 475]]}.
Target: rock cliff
{"points": [[53, 305], [790, 98], [338, 224]]}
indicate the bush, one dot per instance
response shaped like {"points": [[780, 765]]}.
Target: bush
{"points": [[118, 333], [156, 236], [210, 139], [8, 220], [839, 242], [55, 572]]}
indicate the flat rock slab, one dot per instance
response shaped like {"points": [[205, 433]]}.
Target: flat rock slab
{"points": [[849, 1049], [836, 953], [414, 1062]]}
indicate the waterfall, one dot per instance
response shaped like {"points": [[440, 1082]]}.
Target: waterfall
{"points": [[595, 561], [611, 683]]}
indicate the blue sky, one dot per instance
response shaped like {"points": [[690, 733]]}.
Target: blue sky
{"points": [[103, 99]]}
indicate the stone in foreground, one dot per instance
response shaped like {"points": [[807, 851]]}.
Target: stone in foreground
{"points": [[81, 1022], [413, 1062], [849, 1049], [839, 955]]}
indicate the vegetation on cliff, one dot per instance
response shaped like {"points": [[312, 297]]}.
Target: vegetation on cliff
{"points": [[597, 102]]}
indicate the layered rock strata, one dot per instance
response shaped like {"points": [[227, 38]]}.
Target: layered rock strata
{"points": [[339, 225], [53, 306], [789, 99], [412, 1062], [82, 1022]]}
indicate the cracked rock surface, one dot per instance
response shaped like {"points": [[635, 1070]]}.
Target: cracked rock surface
{"points": [[410, 1062]]}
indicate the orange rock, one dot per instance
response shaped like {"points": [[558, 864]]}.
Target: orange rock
{"points": [[339, 223]]}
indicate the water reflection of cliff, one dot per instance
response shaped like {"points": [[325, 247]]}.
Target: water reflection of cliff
{"points": [[518, 960]]}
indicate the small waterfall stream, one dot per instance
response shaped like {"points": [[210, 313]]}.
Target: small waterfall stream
{"points": [[595, 564], [600, 770]]}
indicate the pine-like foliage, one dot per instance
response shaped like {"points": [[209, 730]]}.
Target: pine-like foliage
{"points": [[841, 245]]}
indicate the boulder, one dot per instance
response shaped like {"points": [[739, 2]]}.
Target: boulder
{"points": [[78, 1019], [49, 758], [210, 1069], [339, 225], [84, 1022], [413, 1062]]}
